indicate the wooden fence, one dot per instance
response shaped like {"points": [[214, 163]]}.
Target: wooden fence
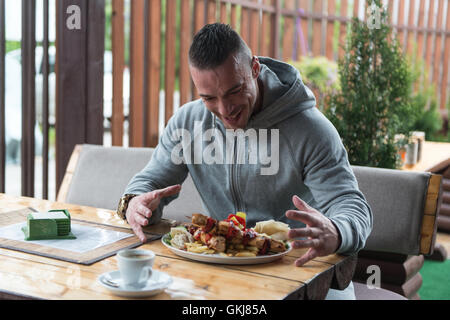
{"points": [[273, 28], [160, 34]]}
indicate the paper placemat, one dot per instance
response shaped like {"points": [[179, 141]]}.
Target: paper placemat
{"points": [[95, 241]]}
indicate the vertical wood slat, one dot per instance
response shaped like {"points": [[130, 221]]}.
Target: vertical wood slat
{"points": [[136, 131], [28, 96], [317, 29], [275, 30], [355, 8], [445, 71], [45, 100], [264, 40], [199, 22], [146, 59], [254, 28], [288, 31], [2, 97], [153, 72], [410, 34], [429, 36], [437, 61], [95, 51], [420, 24], [244, 31], [233, 16], [303, 47], [169, 87], [211, 11], [342, 29], [185, 39], [118, 55], [400, 23], [223, 13], [199, 15], [331, 9], [420, 39], [390, 10]]}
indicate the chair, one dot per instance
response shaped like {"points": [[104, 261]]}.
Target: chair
{"points": [[404, 206], [443, 219]]}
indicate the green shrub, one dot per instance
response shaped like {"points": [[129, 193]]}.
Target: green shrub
{"points": [[374, 102], [320, 75], [424, 103]]}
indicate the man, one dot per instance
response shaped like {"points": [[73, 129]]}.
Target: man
{"points": [[312, 188]]}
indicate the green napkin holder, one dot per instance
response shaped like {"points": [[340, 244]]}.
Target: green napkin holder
{"points": [[48, 226]]}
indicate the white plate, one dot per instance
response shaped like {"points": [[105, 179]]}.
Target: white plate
{"points": [[154, 285], [217, 258]]}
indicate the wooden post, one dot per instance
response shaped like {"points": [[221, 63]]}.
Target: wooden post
{"points": [[45, 100], [2, 97], [79, 79], [28, 96]]}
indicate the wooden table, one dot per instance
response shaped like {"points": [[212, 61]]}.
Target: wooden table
{"points": [[24, 275], [434, 156]]}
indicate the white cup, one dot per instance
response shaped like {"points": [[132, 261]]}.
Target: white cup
{"points": [[135, 266]]}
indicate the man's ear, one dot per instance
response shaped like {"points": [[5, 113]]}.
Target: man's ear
{"points": [[256, 67]]}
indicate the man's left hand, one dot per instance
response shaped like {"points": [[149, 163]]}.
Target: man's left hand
{"points": [[323, 238]]}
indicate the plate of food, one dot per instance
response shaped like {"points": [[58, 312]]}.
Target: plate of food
{"points": [[228, 241]]}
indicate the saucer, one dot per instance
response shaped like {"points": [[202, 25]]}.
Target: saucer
{"points": [[154, 285]]}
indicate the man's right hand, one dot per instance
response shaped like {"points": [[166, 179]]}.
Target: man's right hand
{"points": [[141, 207]]}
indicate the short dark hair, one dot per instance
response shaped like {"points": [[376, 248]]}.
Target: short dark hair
{"points": [[213, 44]]}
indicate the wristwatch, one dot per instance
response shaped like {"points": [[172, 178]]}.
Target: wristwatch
{"points": [[123, 205]]}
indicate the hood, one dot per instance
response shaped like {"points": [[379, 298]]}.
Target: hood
{"points": [[284, 93]]}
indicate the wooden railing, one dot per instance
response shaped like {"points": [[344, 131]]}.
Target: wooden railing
{"points": [[270, 28]]}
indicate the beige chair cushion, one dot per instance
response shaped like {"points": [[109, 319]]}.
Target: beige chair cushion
{"points": [[102, 173], [397, 199]]}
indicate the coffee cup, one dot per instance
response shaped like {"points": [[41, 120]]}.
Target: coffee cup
{"points": [[135, 266]]}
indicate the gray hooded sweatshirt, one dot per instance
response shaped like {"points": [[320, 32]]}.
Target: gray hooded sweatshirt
{"points": [[298, 151]]}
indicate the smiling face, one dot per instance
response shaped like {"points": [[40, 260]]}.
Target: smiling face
{"points": [[231, 90]]}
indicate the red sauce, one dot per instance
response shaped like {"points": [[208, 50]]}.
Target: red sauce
{"points": [[249, 234]]}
